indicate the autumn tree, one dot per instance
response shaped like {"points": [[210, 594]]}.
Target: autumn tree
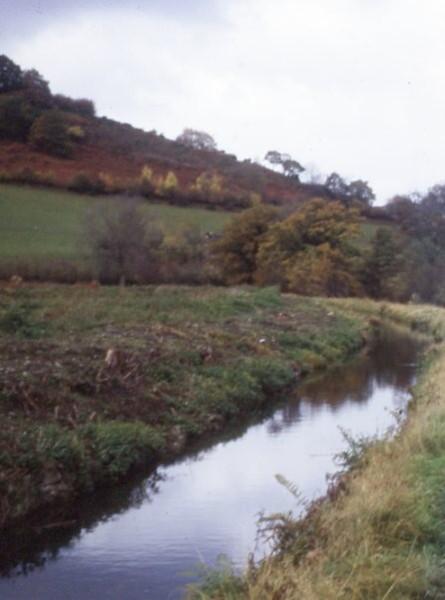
{"points": [[310, 252], [208, 186], [199, 140], [236, 251], [167, 186], [147, 181]]}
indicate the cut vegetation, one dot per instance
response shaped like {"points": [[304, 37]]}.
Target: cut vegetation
{"points": [[97, 381]]}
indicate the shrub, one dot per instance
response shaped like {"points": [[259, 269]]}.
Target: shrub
{"points": [[123, 245], [17, 317], [49, 133], [167, 186], [147, 186], [83, 183]]}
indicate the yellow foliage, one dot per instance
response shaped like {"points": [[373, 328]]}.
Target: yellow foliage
{"points": [[108, 181], [146, 174], [209, 186], [76, 132], [168, 185], [309, 251]]}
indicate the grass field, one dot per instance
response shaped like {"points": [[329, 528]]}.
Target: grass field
{"points": [[44, 223]]}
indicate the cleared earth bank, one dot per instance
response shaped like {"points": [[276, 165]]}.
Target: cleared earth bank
{"points": [[97, 382], [380, 533]]}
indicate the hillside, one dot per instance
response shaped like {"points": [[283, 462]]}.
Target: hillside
{"points": [[55, 140]]}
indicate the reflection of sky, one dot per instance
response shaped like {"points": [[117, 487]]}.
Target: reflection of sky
{"points": [[209, 506]]}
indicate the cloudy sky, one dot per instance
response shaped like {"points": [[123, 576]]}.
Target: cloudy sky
{"points": [[356, 86]]}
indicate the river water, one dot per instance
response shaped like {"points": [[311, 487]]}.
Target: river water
{"points": [[145, 539]]}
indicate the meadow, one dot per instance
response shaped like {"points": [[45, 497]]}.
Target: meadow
{"points": [[39, 223]]}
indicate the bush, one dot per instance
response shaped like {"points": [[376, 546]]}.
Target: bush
{"points": [[83, 183], [49, 133], [123, 245]]}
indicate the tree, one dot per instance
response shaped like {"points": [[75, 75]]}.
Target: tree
{"points": [[147, 184], [122, 244], [168, 186], [382, 265], [49, 133], [337, 185], [322, 271], [314, 245], [199, 140], [236, 251], [16, 117], [361, 191], [291, 168], [208, 186], [36, 89], [11, 76], [81, 106]]}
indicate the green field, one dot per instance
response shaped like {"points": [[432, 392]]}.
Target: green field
{"points": [[45, 223]]}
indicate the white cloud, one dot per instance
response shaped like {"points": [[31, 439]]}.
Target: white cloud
{"points": [[349, 85]]}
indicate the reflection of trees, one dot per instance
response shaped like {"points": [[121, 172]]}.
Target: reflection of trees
{"points": [[32, 546], [391, 363]]}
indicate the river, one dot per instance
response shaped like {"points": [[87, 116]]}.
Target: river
{"points": [[144, 540]]}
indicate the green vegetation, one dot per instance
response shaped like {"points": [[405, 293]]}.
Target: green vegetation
{"points": [[380, 532], [98, 381], [36, 222]]}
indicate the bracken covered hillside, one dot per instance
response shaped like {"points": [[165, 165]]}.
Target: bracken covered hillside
{"points": [[55, 140]]}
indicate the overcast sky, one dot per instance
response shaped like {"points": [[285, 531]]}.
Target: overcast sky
{"points": [[355, 86]]}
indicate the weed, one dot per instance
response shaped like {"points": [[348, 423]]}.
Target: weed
{"points": [[17, 316]]}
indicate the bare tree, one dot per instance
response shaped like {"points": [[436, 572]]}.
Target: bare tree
{"points": [[122, 243]]}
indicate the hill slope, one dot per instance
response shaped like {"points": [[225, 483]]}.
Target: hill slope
{"points": [[52, 139]]}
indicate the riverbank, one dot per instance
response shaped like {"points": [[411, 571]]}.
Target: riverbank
{"points": [[97, 382], [380, 533]]}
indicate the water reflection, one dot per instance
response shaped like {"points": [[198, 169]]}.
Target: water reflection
{"points": [[36, 543], [136, 542]]}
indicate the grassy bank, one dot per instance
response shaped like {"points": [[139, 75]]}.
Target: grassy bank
{"points": [[383, 536], [95, 382]]}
